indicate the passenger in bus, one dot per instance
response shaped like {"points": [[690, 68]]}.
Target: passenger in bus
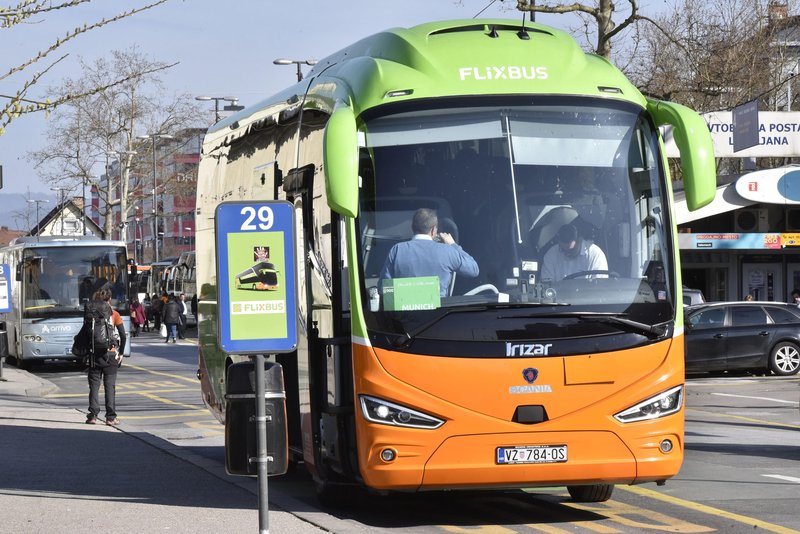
{"points": [[571, 255], [428, 253]]}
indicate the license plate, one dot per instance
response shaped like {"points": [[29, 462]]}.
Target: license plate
{"points": [[535, 454]]}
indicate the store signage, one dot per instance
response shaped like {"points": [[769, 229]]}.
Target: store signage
{"points": [[738, 241], [778, 135]]}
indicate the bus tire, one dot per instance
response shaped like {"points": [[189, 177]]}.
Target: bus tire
{"points": [[331, 495], [593, 493]]}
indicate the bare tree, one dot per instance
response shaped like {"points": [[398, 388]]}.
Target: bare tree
{"points": [[597, 18], [100, 128], [718, 54], [21, 76]]}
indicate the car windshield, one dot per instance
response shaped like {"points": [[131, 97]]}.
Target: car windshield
{"points": [[550, 205], [57, 281]]}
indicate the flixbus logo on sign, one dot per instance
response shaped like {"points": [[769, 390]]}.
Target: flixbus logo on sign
{"points": [[503, 72]]}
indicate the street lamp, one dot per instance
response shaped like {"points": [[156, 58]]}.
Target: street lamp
{"points": [[233, 106], [37, 202], [298, 62], [154, 137]]}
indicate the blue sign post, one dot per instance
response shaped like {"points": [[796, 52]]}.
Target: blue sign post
{"points": [[256, 277], [257, 300]]}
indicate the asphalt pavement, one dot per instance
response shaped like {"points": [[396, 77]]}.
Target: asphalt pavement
{"points": [[58, 474]]}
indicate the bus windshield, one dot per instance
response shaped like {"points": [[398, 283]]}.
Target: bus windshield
{"points": [[558, 207], [57, 281]]}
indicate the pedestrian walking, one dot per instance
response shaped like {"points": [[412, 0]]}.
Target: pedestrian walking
{"points": [[183, 310], [107, 347], [156, 306], [138, 317], [148, 312], [172, 318]]}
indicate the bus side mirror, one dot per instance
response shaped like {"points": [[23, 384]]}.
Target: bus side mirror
{"points": [[18, 273], [697, 151], [340, 156]]}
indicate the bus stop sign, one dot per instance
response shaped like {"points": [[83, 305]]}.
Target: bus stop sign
{"points": [[256, 277]]}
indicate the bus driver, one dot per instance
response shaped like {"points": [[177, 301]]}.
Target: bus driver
{"points": [[573, 255], [425, 255]]}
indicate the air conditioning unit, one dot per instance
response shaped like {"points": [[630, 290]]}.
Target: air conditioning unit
{"points": [[752, 220], [793, 220]]}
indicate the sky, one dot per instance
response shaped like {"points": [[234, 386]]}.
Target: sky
{"points": [[223, 49]]}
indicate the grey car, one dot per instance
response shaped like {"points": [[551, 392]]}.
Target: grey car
{"points": [[753, 336]]}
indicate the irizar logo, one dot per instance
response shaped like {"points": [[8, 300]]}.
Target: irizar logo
{"points": [[503, 72], [528, 349]]}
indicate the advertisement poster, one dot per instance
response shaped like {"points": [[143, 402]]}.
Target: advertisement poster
{"points": [[256, 276]]}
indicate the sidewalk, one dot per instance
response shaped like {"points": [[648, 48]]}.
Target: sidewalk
{"points": [[58, 474]]}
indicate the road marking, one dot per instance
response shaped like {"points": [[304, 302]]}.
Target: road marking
{"points": [[123, 392], [640, 519], [161, 373], [127, 417], [784, 477], [749, 521], [756, 398], [156, 398], [748, 419]]}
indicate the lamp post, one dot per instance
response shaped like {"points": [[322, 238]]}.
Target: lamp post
{"points": [[233, 106], [38, 222], [298, 62], [154, 137]]}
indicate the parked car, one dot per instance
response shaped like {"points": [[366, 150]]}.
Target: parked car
{"points": [[757, 336]]}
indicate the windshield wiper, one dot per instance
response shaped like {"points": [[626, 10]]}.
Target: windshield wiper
{"points": [[617, 319], [403, 340], [654, 331]]}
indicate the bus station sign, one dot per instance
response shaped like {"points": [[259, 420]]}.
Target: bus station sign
{"points": [[256, 277]]}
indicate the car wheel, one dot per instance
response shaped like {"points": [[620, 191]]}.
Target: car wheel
{"points": [[785, 359], [593, 493]]}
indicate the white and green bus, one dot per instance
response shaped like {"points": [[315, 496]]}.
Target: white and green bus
{"points": [[513, 378]]}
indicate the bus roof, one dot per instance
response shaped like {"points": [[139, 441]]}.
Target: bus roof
{"points": [[32, 241], [428, 61]]}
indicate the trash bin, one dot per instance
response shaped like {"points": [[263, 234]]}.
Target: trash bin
{"points": [[241, 442]]}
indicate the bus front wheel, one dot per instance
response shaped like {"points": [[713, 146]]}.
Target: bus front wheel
{"points": [[593, 493]]}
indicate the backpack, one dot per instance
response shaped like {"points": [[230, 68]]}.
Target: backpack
{"points": [[101, 333], [81, 342], [104, 334]]}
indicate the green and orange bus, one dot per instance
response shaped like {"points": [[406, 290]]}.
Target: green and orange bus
{"points": [[514, 378]]}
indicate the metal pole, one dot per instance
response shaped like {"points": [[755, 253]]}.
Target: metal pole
{"points": [[84, 205], [261, 433], [155, 201], [216, 110]]}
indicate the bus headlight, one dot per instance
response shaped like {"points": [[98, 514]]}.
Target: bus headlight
{"points": [[663, 404], [31, 338], [388, 413]]}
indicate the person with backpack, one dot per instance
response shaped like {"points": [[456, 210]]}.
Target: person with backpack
{"points": [[107, 346]]}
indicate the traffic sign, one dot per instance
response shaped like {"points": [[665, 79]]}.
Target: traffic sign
{"points": [[256, 277]]}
